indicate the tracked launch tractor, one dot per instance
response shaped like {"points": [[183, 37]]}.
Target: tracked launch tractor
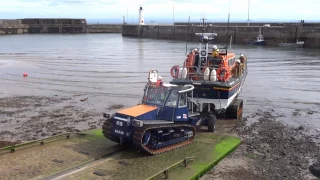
{"points": [[165, 119]]}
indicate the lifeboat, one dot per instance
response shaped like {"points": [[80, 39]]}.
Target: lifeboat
{"points": [[217, 80]]}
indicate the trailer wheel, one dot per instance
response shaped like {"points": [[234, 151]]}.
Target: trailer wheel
{"points": [[212, 122]]}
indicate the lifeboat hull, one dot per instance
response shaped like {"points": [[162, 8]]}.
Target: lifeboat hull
{"points": [[221, 94]]}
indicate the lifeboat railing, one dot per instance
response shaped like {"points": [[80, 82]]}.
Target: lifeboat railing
{"points": [[185, 74]]}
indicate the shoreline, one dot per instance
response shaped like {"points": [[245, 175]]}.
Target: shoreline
{"points": [[270, 149]]}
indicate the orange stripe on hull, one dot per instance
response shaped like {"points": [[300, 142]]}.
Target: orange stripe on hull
{"points": [[137, 110], [226, 89]]}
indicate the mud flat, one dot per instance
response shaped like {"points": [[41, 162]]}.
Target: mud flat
{"points": [[27, 118], [270, 150]]}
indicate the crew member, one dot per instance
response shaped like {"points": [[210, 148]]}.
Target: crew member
{"points": [[236, 68], [237, 62], [242, 58], [215, 51], [196, 50], [159, 82]]}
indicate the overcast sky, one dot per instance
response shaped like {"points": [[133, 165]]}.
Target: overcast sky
{"points": [[162, 9]]}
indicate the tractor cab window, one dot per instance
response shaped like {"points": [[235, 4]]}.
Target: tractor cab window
{"points": [[172, 99], [156, 95], [183, 100]]}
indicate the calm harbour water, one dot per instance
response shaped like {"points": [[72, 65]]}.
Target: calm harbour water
{"points": [[110, 65]]}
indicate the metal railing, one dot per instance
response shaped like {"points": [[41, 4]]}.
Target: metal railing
{"points": [[199, 74], [40, 142], [166, 170], [191, 87]]}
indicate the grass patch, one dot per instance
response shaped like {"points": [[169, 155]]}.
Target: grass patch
{"points": [[220, 150], [96, 132]]}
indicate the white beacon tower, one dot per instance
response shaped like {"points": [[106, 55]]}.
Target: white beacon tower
{"points": [[141, 16]]}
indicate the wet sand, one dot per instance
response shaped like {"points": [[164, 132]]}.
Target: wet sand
{"points": [[26, 118], [270, 150]]}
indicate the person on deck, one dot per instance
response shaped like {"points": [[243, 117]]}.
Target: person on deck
{"points": [[215, 51], [237, 68], [159, 82], [196, 50], [242, 58]]}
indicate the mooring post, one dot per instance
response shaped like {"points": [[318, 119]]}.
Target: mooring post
{"points": [[185, 162], [166, 174]]}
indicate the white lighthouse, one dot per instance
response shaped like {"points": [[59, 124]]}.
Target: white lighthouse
{"points": [[141, 16]]}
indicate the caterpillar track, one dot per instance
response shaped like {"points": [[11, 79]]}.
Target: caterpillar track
{"points": [[139, 132]]}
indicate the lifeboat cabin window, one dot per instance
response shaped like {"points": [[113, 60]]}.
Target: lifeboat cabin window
{"points": [[214, 61], [231, 61]]}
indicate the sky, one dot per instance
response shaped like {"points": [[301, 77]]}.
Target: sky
{"points": [[159, 10]]}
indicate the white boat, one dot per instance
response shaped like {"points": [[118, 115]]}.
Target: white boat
{"points": [[296, 44], [258, 41]]}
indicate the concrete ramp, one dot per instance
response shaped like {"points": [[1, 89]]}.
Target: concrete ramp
{"points": [[206, 151], [89, 155], [36, 160]]}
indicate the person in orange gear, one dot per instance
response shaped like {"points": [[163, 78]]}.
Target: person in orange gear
{"points": [[159, 82]]}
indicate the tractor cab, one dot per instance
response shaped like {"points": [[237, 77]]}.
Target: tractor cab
{"points": [[171, 100]]}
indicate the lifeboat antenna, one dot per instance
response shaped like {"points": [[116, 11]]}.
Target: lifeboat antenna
{"points": [[187, 36], [203, 27], [228, 24]]}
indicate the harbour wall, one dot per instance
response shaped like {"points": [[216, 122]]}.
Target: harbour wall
{"points": [[104, 28], [12, 27], [36, 26], [55, 25], [273, 35], [240, 32], [304, 24]]}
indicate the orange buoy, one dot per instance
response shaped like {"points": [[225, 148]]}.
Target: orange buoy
{"points": [[25, 74]]}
